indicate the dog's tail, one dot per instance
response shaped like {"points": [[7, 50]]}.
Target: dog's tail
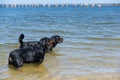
{"points": [[20, 39]]}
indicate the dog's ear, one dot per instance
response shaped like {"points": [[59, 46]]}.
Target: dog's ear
{"points": [[56, 39]]}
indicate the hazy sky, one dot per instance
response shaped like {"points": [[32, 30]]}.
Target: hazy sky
{"points": [[56, 1]]}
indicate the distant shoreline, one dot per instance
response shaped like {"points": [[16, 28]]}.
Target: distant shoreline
{"points": [[61, 5]]}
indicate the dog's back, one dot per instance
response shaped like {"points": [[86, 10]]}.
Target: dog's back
{"points": [[26, 44]]}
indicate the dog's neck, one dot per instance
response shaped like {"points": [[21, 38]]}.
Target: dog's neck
{"points": [[55, 43]]}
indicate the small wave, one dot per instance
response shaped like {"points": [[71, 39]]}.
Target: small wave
{"points": [[25, 24], [105, 23], [102, 38], [53, 31]]}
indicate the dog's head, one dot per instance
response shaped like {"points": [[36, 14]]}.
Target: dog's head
{"points": [[45, 42], [16, 62], [56, 39]]}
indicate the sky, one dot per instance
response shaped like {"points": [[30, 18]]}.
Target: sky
{"points": [[55, 1]]}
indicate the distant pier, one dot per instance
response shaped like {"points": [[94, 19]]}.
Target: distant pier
{"points": [[54, 5]]}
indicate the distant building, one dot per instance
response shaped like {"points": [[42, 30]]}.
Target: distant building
{"points": [[99, 5], [93, 5]]}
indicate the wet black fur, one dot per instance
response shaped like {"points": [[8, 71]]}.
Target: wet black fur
{"points": [[32, 54], [55, 38]]}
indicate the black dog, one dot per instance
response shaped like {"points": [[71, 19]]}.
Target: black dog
{"points": [[33, 54], [55, 39]]}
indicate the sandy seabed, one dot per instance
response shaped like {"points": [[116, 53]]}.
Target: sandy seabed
{"points": [[97, 76]]}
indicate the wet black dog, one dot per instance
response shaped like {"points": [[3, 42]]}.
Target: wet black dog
{"points": [[32, 54], [55, 39]]}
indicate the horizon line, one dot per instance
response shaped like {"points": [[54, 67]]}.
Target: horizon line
{"points": [[58, 3]]}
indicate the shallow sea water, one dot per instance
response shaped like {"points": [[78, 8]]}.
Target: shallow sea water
{"points": [[91, 47]]}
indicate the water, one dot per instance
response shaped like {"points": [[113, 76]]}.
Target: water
{"points": [[91, 47]]}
